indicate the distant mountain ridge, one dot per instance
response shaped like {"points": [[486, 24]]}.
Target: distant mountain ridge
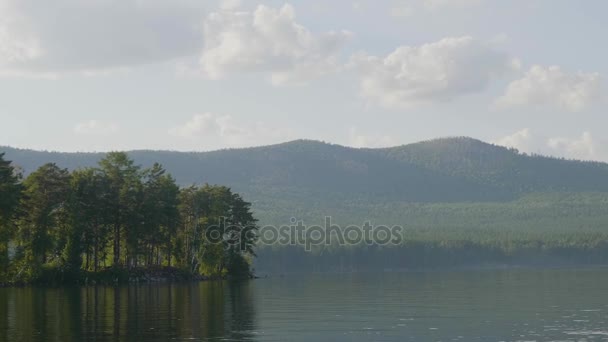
{"points": [[460, 201], [306, 172]]}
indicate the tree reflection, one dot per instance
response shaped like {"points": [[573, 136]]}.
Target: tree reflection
{"points": [[198, 311]]}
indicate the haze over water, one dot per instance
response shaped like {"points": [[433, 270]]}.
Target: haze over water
{"points": [[509, 305]]}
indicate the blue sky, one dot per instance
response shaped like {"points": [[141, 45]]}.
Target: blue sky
{"points": [[193, 75]]}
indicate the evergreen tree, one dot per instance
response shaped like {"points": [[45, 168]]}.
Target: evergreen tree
{"points": [[73, 222], [242, 236], [89, 207], [43, 216], [10, 190], [160, 214], [124, 191]]}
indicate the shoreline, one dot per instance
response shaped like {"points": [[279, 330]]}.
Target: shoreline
{"points": [[118, 276], [165, 275]]}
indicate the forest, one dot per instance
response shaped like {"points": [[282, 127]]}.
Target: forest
{"points": [[116, 221], [462, 202], [537, 230]]}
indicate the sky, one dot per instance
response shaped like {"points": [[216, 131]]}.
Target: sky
{"points": [[191, 75]]}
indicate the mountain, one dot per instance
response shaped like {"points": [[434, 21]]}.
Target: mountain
{"points": [[502, 168], [444, 170], [304, 176], [453, 195]]}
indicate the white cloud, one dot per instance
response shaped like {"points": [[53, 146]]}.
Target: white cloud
{"points": [[357, 139], [582, 148], [199, 124], [553, 86], [16, 44], [521, 140], [216, 131], [95, 127], [434, 72], [268, 40], [55, 37]]}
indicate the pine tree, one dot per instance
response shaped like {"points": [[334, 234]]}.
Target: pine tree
{"points": [[43, 216], [89, 207], [124, 191], [160, 214], [10, 190]]}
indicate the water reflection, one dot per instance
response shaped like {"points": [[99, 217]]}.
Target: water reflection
{"points": [[508, 305], [197, 311]]}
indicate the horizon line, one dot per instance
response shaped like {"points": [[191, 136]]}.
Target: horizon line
{"points": [[462, 137], [35, 149]]}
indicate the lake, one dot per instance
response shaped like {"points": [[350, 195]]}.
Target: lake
{"points": [[506, 305]]}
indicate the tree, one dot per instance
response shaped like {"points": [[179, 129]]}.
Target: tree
{"points": [[65, 222], [242, 218], [160, 213], [193, 206], [214, 204], [243, 232], [89, 206], [218, 230], [124, 190], [10, 191], [43, 214]]}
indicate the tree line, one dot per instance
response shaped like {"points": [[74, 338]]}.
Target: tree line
{"points": [[118, 216]]}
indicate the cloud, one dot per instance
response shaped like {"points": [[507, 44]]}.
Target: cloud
{"points": [[64, 36], [95, 127], [268, 40], [521, 140], [434, 72], [551, 86], [584, 147], [199, 124], [357, 139], [216, 131]]}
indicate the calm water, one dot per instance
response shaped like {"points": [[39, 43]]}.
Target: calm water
{"points": [[524, 305]]}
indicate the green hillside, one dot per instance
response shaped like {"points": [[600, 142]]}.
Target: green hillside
{"points": [[503, 169], [451, 194], [442, 170], [305, 178]]}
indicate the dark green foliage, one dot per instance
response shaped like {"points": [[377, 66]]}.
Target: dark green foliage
{"points": [[216, 211], [10, 191], [124, 193], [44, 219], [160, 214], [460, 199], [76, 226], [442, 170], [505, 170], [90, 219], [538, 229]]}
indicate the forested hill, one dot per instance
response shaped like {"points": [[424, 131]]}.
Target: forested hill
{"points": [[441, 170], [502, 168], [461, 201]]}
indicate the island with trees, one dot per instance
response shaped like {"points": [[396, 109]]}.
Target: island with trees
{"points": [[118, 222]]}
